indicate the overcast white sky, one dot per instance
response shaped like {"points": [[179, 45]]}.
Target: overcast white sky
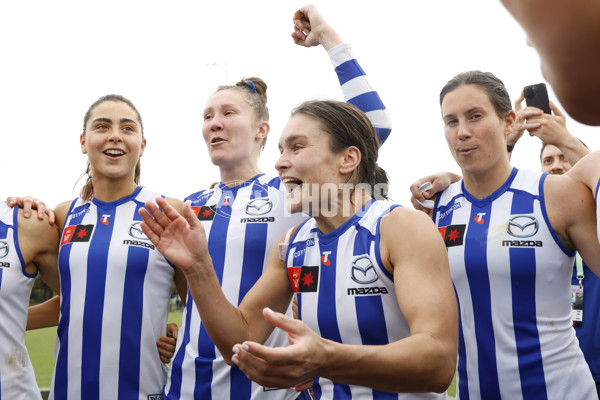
{"points": [[57, 57]]}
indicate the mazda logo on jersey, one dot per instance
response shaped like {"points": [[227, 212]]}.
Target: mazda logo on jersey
{"points": [[522, 226], [3, 248], [259, 206], [135, 231], [363, 271]]}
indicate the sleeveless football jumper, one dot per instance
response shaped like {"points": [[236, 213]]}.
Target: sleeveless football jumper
{"points": [[345, 294], [17, 378], [512, 276], [115, 289]]}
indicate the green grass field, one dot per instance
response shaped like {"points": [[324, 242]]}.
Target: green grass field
{"points": [[40, 344]]}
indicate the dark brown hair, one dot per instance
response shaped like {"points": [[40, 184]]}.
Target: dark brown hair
{"points": [[348, 126], [493, 86]]}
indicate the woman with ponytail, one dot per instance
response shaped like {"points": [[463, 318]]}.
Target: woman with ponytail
{"points": [[376, 306], [114, 284]]}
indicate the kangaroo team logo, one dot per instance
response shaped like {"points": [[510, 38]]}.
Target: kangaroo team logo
{"points": [[363, 271], [259, 206], [522, 226]]}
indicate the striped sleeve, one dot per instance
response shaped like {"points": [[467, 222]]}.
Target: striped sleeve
{"points": [[358, 90]]}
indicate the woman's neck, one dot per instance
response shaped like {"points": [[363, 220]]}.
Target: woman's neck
{"points": [[481, 185], [237, 174], [109, 190], [346, 207]]}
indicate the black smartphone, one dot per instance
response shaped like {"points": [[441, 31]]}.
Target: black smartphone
{"points": [[537, 96]]}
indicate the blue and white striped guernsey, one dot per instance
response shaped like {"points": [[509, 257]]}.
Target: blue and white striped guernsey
{"points": [[512, 276], [345, 294], [115, 288], [242, 224], [17, 379], [247, 221], [358, 90]]}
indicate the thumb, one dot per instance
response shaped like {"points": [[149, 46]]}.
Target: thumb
{"points": [[172, 330], [190, 215], [556, 110], [519, 100]]}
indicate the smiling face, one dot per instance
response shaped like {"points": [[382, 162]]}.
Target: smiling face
{"points": [[113, 140], [306, 162], [232, 133], [475, 134]]}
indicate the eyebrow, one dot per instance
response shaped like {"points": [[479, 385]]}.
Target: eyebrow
{"points": [[470, 110], [122, 121], [221, 106], [293, 138]]}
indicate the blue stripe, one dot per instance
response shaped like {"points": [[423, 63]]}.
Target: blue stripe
{"points": [[203, 367], [217, 246], [3, 230], [131, 322], [479, 284], [275, 183], [202, 371], [240, 385], [369, 309], [255, 241], [341, 392], [381, 395], [176, 365], [348, 70], [523, 283], [97, 261], [326, 311], [383, 134], [62, 332], [317, 388], [463, 379], [366, 102]]}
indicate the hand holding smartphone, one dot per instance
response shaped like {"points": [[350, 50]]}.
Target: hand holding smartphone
{"points": [[537, 96]]}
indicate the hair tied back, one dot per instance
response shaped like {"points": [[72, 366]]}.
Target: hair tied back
{"points": [[251, 86]]}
